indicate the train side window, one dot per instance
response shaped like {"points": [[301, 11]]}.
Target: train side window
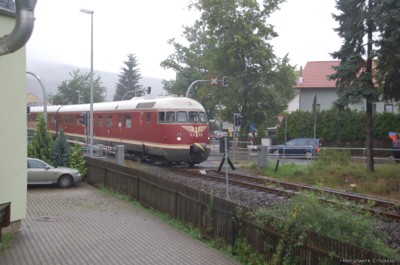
{"points": [[71, 119], [65, 119], [109, 120], [161, 117], [100, 120], [170, 116], [148, 116], [77, 122], [181, 116], [128, 121]]}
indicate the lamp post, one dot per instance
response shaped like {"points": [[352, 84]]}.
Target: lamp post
{"points": [[90, 12], [44, 94], [79, 96]]}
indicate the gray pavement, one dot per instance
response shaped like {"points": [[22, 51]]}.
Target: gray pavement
{"points": [[83, 225]]}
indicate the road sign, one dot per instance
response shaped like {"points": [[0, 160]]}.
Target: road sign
{"points": [[280, 118]]}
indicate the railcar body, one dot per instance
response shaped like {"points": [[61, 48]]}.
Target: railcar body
{"points": [[173, 129]]}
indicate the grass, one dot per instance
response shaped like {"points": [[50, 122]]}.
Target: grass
{"points": [[334, 170], [5, 241]]}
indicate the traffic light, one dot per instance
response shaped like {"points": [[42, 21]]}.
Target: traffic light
{"points": [[238, 120], [225, 81]]}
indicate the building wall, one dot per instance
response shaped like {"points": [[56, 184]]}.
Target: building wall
{"points": [[327, 96], [13, 140]]}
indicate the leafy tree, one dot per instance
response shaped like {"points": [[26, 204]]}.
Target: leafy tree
{"points": [[77, 160], [69, 91], [42, 142], [129, 80], [231, 39], [354, 76], [61, 151]]}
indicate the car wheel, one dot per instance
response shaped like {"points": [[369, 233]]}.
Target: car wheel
{"points": [[309, 155], [65, 181]]}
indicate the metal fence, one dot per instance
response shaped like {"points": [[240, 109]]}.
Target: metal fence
{"points": [[216, 217]]}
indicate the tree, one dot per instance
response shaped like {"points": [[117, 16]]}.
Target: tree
{"points": [[77, 160], [354, 76], [61, 151], [231, 39], [387, 17], [42, 142], [129, 80], [78, 89]]}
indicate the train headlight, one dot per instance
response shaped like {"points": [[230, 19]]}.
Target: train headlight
{"points": [[178, 137]]}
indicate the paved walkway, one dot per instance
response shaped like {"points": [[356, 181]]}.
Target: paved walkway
{"points": [[83, 225]]}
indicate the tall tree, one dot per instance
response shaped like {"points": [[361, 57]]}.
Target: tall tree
{"points": [[354, 76], [77, 89], [128, 82], [61, 151], [388, 22], [231, 39]]}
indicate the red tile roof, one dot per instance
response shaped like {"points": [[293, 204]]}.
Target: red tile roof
{"points": [[315, 75]]}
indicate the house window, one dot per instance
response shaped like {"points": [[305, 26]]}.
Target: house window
{"points": [[389, 108]]}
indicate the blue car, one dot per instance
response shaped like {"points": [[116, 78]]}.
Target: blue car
{"points": [[298, 147]]}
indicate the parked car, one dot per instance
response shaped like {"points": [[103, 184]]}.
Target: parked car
{"points": [[40, 172], [308, 147], [396, 150]]}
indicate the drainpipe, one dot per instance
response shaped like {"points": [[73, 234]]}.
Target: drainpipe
{"points": [[23, 27]]}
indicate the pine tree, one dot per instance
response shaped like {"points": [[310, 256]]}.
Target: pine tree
{"points": [[128, 83], [61, 151], [42, 142]]}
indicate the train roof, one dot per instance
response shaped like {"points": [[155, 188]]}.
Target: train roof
{"points": [[163, 103]]}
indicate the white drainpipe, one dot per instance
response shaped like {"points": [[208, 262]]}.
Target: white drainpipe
{"points": [[23, 27]]}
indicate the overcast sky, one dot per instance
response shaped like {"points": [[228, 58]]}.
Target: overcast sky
{"points": [[62, 33]]}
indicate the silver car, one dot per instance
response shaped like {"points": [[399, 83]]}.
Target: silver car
{"points": [[39, 172]]}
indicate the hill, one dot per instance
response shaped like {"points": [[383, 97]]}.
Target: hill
{"points": [[52, 74]]}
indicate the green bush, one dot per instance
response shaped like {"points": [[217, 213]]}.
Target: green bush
{"points": [[77, 160], [334, 219]]}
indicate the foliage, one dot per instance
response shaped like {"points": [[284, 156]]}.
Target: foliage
{"points": [[232, 39], [387, 17], [334, 219], [77, 89], [42, 142], [129, 80], [337, 127], [77, 160], [61, 151]]}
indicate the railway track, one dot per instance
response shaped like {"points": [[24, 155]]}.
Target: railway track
{"points": [[386, 208]]}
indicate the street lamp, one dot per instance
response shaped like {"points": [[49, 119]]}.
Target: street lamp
{"points": [[90, 12], [44, 94], [79, 96]]}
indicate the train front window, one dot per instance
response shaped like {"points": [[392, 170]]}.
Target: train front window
{"points": [[203, 117], [193, 116], [170, 116], [181, 116]]}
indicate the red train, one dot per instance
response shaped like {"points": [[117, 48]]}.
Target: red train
{"points": [[169, 129]]}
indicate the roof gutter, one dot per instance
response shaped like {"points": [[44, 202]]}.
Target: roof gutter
{"points": [[23, 27]]}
